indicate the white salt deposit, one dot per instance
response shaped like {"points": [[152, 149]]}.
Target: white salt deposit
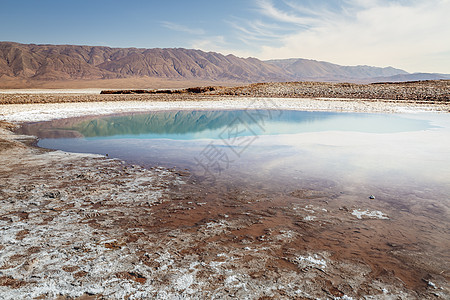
{"points": [[376, 214], [311, 260], [309, 218], [51, 111]]}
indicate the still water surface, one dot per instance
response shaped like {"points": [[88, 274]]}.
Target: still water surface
{"points": [[404, 160], [270, 146]]}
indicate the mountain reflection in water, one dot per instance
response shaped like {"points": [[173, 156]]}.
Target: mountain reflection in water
{"points": [[188, 125]]}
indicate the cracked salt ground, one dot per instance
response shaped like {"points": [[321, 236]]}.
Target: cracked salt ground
{"points": [[370, 214], [43, 236], [115, 231]]}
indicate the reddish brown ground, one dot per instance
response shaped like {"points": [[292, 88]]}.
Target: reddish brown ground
{"points": [[256, 232]]}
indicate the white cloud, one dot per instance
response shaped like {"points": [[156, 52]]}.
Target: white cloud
{"points": [[268, 9], [218, 44], [182, 28], [252, 31], [413, 35]]}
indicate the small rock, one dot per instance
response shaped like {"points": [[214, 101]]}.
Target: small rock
{"points": [[343, 208], [52, 195], [372, 197]]}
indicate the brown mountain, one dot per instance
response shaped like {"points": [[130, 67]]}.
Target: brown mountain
{"points": [[25, 65], [62, 62]]}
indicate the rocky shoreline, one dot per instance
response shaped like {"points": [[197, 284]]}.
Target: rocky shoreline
{"points": [[421, 92], [426, 91]]}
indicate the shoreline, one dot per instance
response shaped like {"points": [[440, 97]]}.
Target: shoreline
{"points": [[96, 227], [49, 111], [428, 91]]}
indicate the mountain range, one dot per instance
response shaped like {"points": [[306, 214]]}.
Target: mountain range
{"points": [[30, 62]]}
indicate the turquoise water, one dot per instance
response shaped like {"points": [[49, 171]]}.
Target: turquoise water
{"points": [[273, 147], [190, 125]]}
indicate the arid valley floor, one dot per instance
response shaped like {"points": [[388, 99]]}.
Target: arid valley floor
{"points": [[82, 226]]}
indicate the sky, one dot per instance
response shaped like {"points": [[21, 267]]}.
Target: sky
{"points": [[413, 35]]}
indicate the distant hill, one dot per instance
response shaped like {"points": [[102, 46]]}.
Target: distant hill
{"points": [[410, 77], [28, 63], [307, 69]]}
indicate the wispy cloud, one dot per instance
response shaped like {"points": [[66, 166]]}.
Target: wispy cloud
{"points": [[182, 28], [409, 34], [250, 31], [268, 9]]}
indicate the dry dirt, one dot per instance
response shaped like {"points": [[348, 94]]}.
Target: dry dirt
{"points": [[119, 83], [419, 91], [89, 227], [406, 93]]}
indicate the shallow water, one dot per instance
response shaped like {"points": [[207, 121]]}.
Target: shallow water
{"points": [[276, 150], [270, 147], [287, 156]]}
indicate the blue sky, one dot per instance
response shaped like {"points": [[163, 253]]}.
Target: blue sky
{"points": [[412, 35]]}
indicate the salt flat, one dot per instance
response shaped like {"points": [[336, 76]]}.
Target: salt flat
{"points": [[48, 111], [77, 225]]}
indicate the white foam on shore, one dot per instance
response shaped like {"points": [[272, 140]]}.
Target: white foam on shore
{"points": [[51, 111]]}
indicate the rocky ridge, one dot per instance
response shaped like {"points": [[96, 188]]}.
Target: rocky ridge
{"points": [[42, 63], [68, 62]]}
